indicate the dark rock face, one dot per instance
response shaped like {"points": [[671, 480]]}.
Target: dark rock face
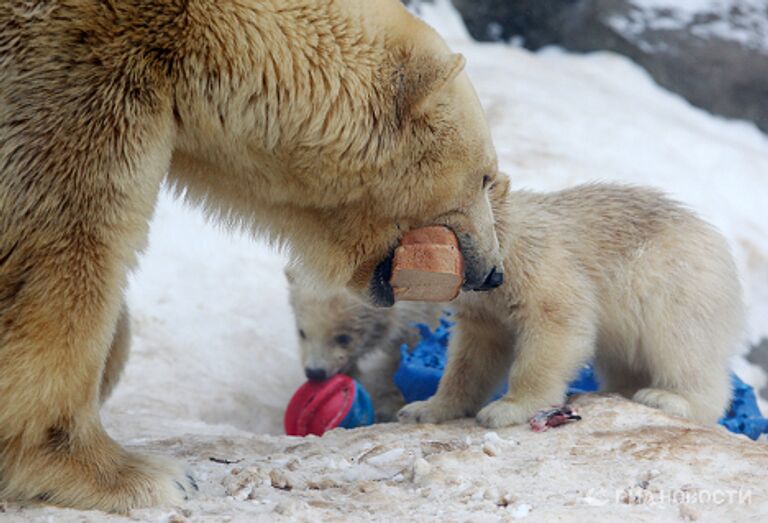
{"points": [[539, 22], [759, 356], [718, 60]]}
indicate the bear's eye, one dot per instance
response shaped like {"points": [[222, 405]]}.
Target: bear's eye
{"points": [[486, 181], [302, 334], [342, 339]]}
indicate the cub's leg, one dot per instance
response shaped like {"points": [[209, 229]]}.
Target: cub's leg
{"points": [[548, 353], [692, 323], [688, 371], [377, 374], [479, 355], [58, 324], [390, 398], [615, 375], [117, 356]]}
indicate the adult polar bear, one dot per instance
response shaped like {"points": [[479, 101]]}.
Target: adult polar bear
{"points": [[329, 125]]}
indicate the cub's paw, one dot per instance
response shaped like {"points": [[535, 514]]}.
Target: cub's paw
{"points": [[387, 414], [387, 408], [502, 413], [427, 412], [669, 402]]}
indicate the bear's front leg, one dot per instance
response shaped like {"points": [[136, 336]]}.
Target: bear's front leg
{"points": [[59, 314], [478, 356], [117, 355], [548, 354]]}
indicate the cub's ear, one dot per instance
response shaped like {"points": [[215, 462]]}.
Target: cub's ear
{"points": [[501, 184], [498, 191], [420, 77]]}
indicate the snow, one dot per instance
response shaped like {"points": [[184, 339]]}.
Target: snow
{"points": [[568, 119], [742, 21], [215, 358], [623, 462]]}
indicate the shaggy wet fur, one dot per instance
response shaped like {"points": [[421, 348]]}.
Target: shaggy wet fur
{"points": [[330, 127]]}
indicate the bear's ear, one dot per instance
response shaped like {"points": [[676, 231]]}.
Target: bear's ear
{"points": [[420, 77], [290, 275]]}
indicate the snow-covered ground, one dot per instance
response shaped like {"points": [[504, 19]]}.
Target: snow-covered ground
{"points": [[214, 357]]}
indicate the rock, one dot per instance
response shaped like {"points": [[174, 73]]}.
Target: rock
{"points": [[716, 56], [759, 356], [539, 22], [622, 462]]}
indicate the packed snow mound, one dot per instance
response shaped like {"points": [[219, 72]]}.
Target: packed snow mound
{"points": [[621, 462]]}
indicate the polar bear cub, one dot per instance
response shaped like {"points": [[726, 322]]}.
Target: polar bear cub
{"points": [[621, 275], [339, 333]]}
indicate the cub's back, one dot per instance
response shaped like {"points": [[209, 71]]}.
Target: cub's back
{"points": [[628, 240], [606, 220]]}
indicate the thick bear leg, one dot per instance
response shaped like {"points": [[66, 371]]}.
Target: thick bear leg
{"points": [[118, 354], [547, 355], [478, 357], [57, 330]]}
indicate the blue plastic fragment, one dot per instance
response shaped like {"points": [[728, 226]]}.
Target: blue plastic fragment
{"points": [[421, 368], [361, 412], [743, 416]]}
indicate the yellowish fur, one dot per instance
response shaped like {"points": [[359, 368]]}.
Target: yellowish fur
{"points": [[329, 126], [621, 275]]}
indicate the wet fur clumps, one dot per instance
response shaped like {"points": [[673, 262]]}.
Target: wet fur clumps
{"points": [[295, 124]]}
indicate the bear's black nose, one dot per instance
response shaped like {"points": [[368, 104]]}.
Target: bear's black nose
{"points": [[493, 280], [316, 374]]}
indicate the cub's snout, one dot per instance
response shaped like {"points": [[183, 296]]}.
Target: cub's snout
{"points": [[316, 374]]}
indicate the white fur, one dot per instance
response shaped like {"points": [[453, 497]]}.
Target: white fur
{"points": [[620, 275]]}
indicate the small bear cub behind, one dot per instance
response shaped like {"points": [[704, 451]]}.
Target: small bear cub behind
{"points": [[620, 275], [339, 334]]}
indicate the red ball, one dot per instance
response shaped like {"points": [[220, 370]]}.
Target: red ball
{"points": [[319, 406]]}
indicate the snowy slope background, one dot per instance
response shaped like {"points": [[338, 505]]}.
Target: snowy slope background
{"points": [[214, 348]]}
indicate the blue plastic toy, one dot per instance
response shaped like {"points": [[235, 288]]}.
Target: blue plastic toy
{"points": [[421, 368], [743, 416]]}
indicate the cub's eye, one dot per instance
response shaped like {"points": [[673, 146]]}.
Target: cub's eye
{"points": [[302, 334], [343, 340], [486, 181]]}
